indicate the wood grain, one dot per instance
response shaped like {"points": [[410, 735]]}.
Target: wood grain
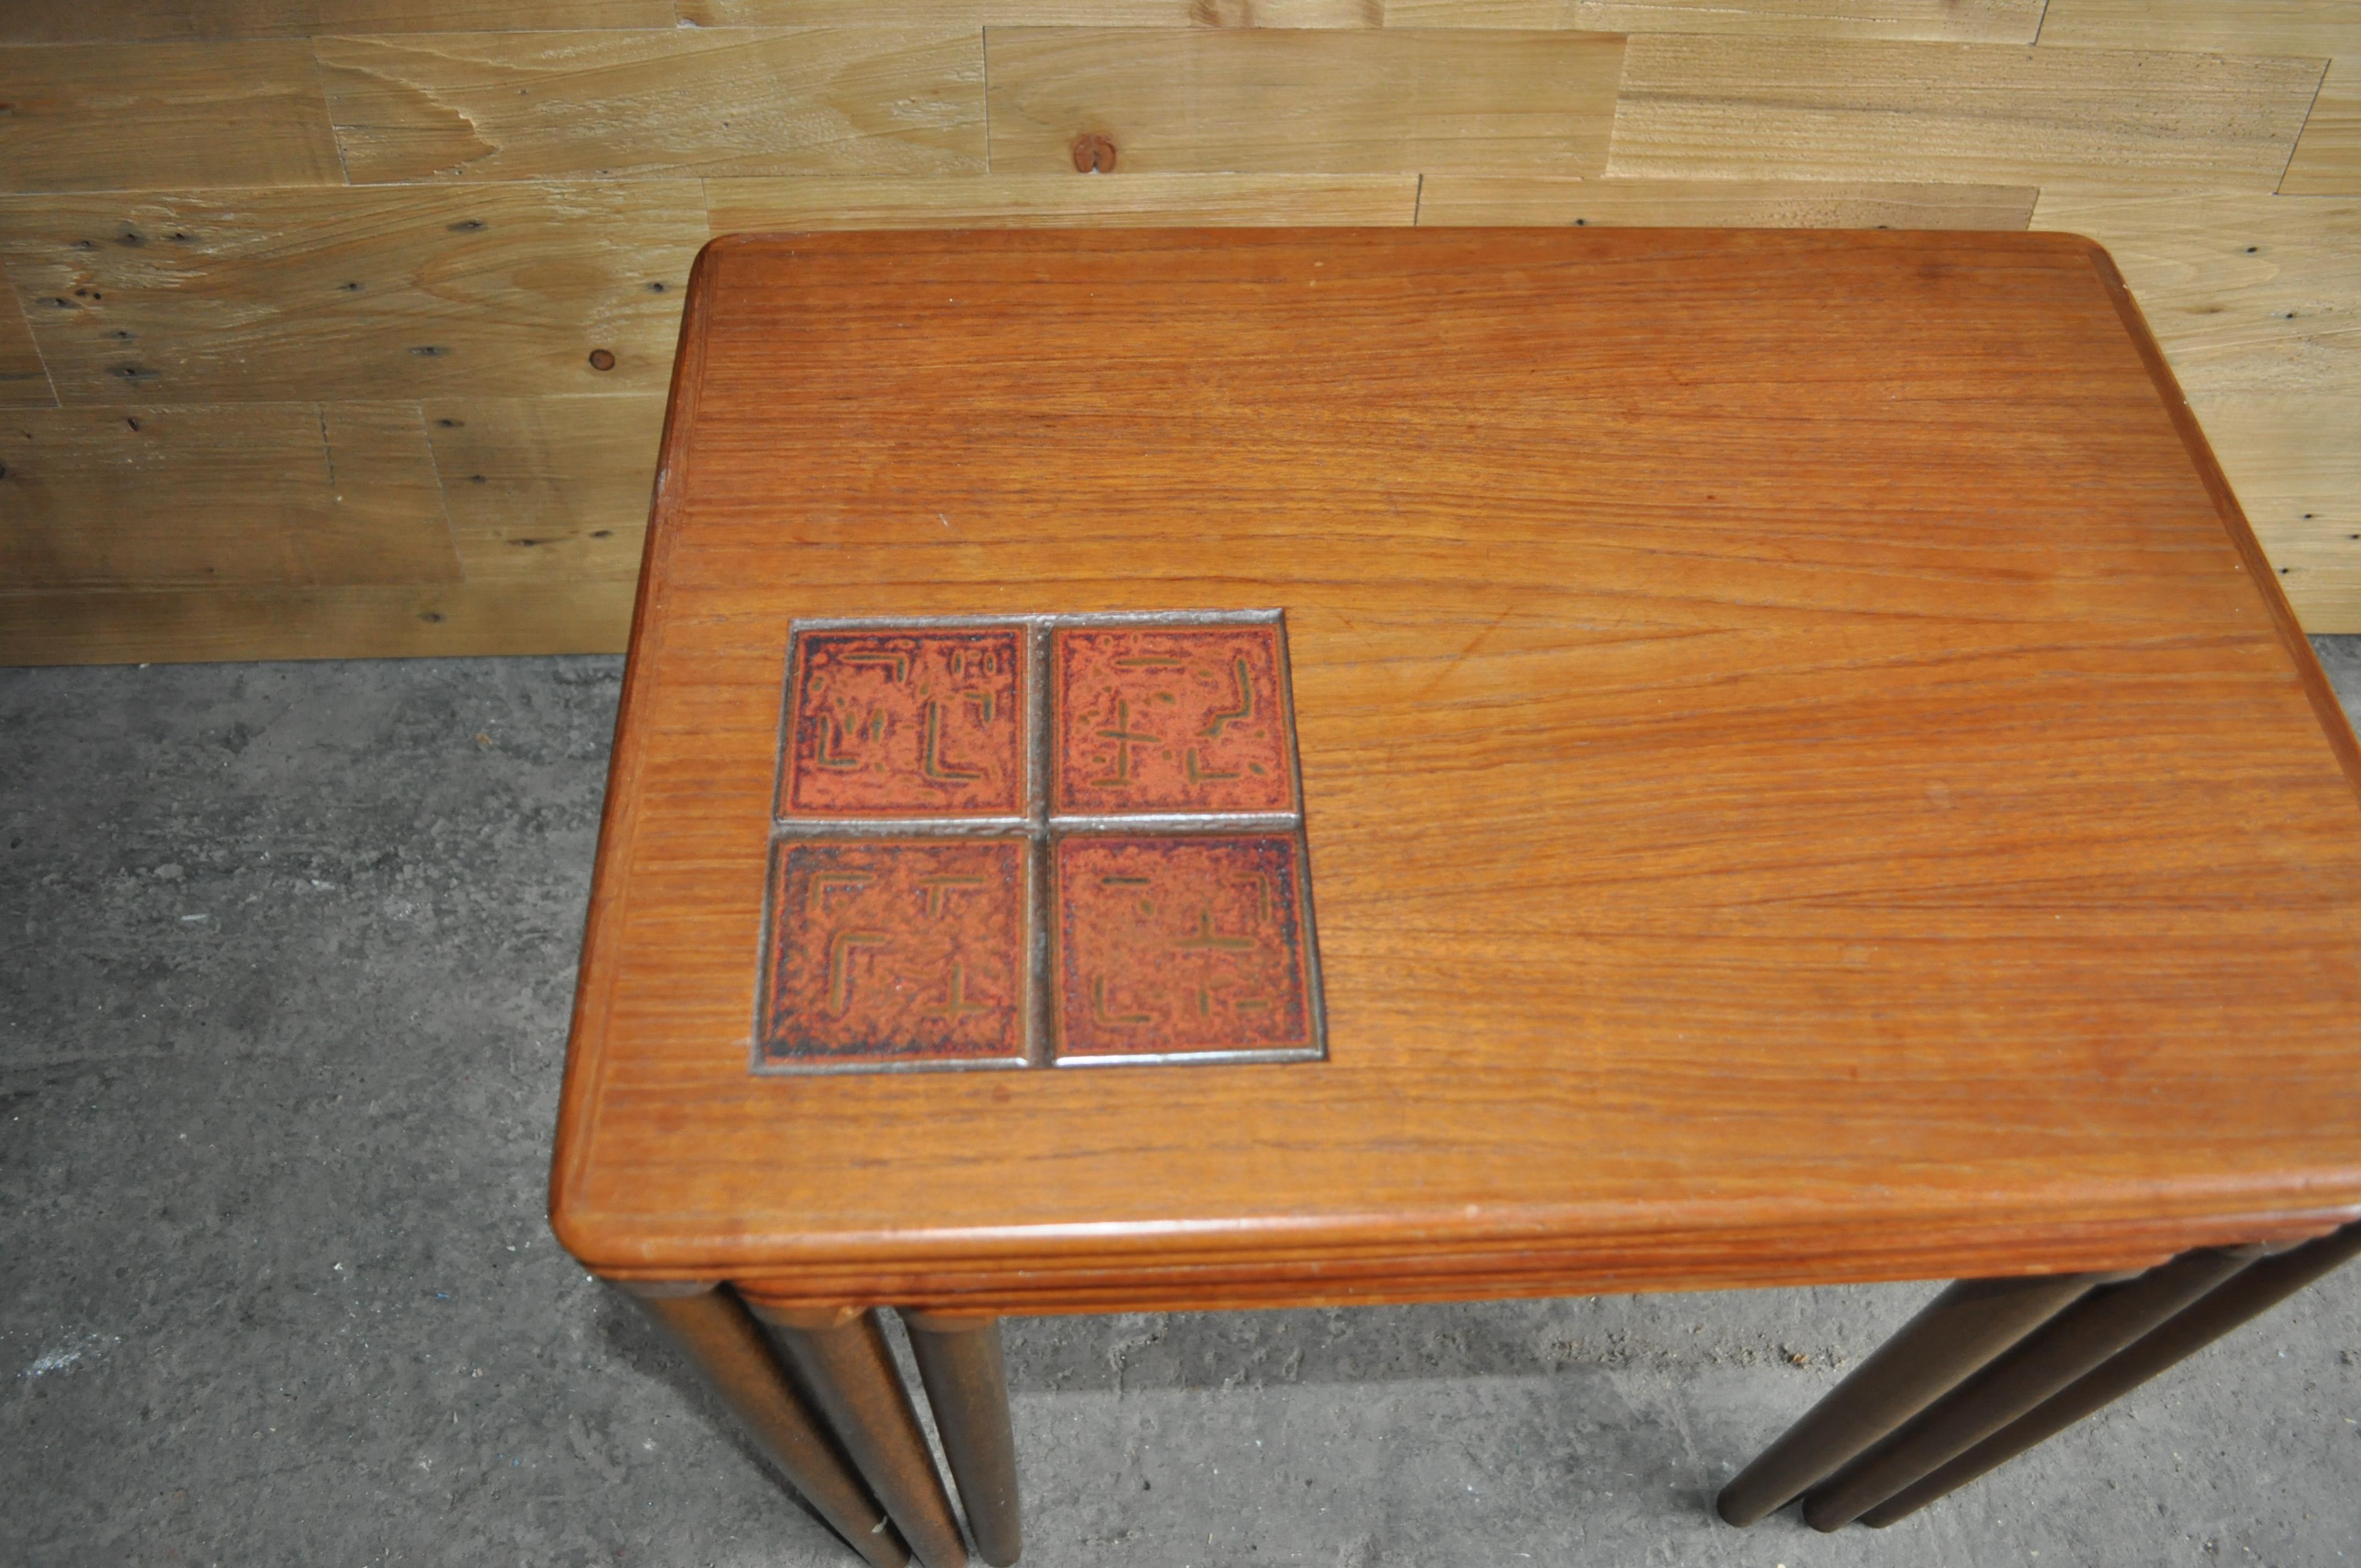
{"points": [[1184, 13], [683, 101], [1025, 201], [460, 620], [1962, 21], [2212, 27], [547, 489], [2246, 293], [1801, 109], [257, 495], [124, 21], [2327, 161], [23, 381], [2295, 460], [1334, 102], [1806, 774], [279, 295], [1994, 21], [107, 118], [950, 15], [1482, 199]]}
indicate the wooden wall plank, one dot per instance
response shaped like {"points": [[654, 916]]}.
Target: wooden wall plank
{"points": [[1806, 109], [547, 489], [681, 101], [2246, 294], [1029, 200], [1184, 13], [2327, 161], [279, 494], [1989, 21], [1334, 102], [286, 295], [112, 118], [2217, 27], [1478, 199], [2294, 459], [125, 626], [1959, 21], [951, 15], [128, 21], [24, 380]]}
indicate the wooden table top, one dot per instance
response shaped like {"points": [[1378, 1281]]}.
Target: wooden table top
{"points": [[1371, 764]]}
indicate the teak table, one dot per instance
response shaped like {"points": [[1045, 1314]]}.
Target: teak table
{"points": [[1202, 769]]}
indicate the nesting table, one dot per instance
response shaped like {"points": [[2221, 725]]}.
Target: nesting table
{"points": [[1226, 769]]}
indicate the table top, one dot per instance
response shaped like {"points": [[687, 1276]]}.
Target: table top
{"points": [[1173, 768]]}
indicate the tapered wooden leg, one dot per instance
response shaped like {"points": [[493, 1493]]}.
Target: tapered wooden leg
{"points": [[2065, 1348], [967, 1384], [1953, 1336], [2248, 1294], [718, 1334], [841, 1357]]}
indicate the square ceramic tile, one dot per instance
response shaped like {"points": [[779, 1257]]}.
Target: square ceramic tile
{"points": [[898, 951], [1170, 718], [901, 722], [1180, 945]]}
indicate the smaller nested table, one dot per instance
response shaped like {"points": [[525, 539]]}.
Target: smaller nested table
{"points": [[1230, 769]]}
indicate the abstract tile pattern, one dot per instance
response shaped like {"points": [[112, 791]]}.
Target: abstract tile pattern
{"points": [[1179, 943], [891, 951], [892, 723], [1040, 841], [1170, 718]]}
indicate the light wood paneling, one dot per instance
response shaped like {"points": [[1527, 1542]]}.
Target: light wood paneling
{"points": [[1026, 200], [282, 494], [2295, 460], [1963, 21], [684, 101], [108, 118], [547, 489], [2327, 161], [951, 15], [1995, 21], [1335, 102], [2214, 27], [2247, 294], [1788, 108], [23, 383], [591, 615], [1720, 203], [277, 294], [133, 20]]}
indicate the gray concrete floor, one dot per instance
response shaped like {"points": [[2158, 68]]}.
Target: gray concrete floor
{"points": [[283, 1010]]}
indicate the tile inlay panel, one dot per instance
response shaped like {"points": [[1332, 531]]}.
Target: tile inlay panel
{"points": [[1179, 945], [1164, 719], [907, 723], [1038, 840]]}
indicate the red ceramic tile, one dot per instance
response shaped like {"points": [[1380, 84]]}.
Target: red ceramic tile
{"points": [[1170, 718], [905, 723], [896, 951], [1180, 944]]}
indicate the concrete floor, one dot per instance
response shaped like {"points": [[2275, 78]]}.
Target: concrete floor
{"points": [[281, 1019]]}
